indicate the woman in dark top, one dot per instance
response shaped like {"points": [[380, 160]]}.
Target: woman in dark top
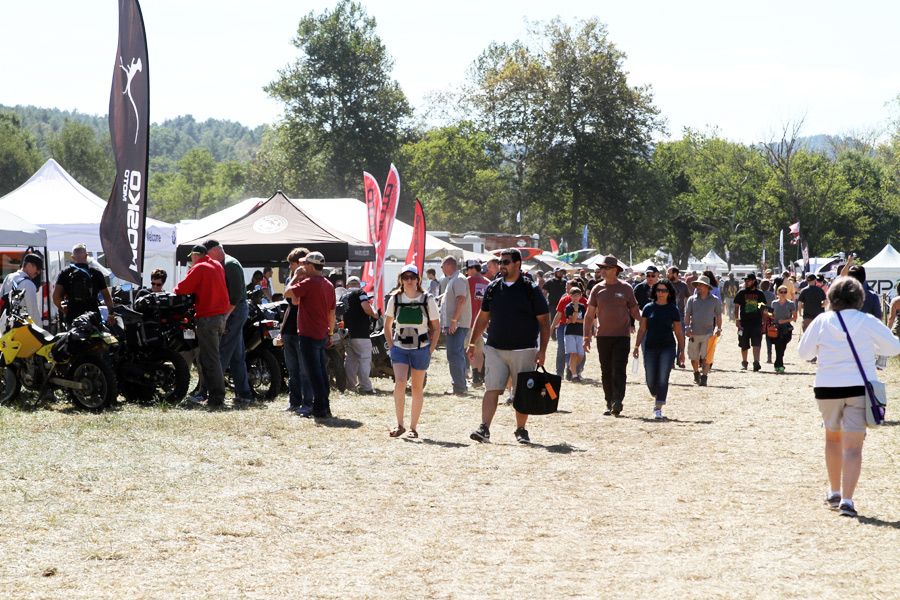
{"points": [[783, 313], [661, 325]]}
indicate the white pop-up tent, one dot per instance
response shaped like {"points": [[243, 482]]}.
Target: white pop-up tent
{"points": [[346, 215], [883, 272], [71, 214]]}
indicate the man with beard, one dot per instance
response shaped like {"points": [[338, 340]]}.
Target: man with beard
{"points": [[611, 303], [749, 305]]}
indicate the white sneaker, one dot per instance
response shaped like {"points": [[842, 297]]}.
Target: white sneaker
{"points": [[657, 414]]}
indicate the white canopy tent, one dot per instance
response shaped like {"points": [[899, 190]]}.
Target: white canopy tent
{"points": [[883, 271], [71, 215], [346, 215], [17, 234]]}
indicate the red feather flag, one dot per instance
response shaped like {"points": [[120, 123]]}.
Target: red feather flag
{"points": [[373, 206], [416, 253]]}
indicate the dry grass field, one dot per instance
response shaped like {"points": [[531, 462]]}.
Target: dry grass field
{"points": [[722, 500]]}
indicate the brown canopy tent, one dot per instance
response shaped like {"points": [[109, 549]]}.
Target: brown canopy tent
{"points": [[265, 236]]}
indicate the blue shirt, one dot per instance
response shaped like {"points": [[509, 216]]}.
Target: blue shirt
{"points": [[661, 319]]}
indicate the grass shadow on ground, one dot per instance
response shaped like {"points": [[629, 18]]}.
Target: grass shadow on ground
{"points": [[559, 448]]}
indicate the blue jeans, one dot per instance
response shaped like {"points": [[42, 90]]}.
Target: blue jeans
{"points": [[456, 357], [231, 350], [658, 364], [299, 384], [312, 351]]}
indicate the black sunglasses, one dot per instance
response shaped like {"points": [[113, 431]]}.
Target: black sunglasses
{"points": [[409, 277], [662, 290], [506, 261]]}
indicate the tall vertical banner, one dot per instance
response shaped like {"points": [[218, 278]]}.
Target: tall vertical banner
{"points": [[805, 248], [584, 237], [416, 253], [373, 206], [387, 214], [123, 222], [764, 256], [781, 250]]}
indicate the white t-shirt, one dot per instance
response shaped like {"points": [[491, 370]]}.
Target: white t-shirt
{"points": [[20, 281], [411, 322]]}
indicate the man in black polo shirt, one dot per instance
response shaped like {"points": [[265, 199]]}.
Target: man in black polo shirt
{"points": [[358, 360], [811, 300], [749, 304], [515, 313]]}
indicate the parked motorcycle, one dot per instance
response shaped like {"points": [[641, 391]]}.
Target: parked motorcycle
{"points": [[40, 361], [264, 371]]}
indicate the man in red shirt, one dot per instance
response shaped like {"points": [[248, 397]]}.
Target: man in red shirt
{"points": [[206, 280], [315, 323], [477, 284]]}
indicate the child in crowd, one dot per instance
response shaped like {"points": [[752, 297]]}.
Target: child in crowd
{"points": [[575, 331]]}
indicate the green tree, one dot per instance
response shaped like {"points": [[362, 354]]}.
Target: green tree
{"points": [[19, 158], [199, 187], [86, 156], [340, 94]]}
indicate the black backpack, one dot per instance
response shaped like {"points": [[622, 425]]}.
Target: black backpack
{"points": [[80, 289]]}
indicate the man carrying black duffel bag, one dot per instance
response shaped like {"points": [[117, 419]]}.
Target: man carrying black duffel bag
{"points": [[517, 317]]}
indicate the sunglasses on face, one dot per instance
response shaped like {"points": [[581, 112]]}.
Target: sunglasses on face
{"points": [[652, 275], [782, 291], [606, 268], [662, 291], [156, 284], [409, 277], [506, 261]]}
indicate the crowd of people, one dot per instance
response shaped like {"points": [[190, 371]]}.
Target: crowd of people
{"points": [[495, 320]]}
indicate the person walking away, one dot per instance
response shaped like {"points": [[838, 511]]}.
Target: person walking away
{"points": [[749, 306], [79, 284], [358, 359], [765, 286], [315, 325], [839, 387], [456, 319], [872, 304], [612, 306], [412, 318], [702, 320], [574, 312], [477, 284], [517, 318], [730, 288], [231, 348], [783, 314], [300, 390], [206, 280], [32, 265], [681, 295], [555, 288], [661, 325], [811, 300]]}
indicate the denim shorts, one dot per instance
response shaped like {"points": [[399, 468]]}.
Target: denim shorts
{"points": [[418, 360]]}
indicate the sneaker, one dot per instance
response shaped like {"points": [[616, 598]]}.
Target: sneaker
{"points": [[779, 370], [289, 408], [756, 367], [522, 436], [196, 399], [616, 409], [568, 375], [576, 378], [743, 365], [482, 434], [366, 392], [703, 379], [833, 499], [304, 411], [657, 414], [241, 401], [847, 509], [697, 377]]}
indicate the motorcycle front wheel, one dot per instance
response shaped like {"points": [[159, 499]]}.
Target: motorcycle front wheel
{"points": [[171, 376], [264, 374], [99, 384], [9, 385]]}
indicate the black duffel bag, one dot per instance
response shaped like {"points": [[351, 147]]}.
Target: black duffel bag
{"points": [[537, 392]]}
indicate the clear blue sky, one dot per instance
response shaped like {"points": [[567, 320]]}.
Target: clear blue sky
{"points": [[745, 68]]}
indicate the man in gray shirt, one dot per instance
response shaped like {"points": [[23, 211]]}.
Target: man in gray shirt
{"points": [[456, 319], [702, 320]]}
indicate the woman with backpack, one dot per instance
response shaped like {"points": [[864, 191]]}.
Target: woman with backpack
{"points": [[411, 315]]}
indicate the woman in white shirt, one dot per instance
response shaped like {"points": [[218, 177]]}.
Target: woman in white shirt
{"points": [[411, 316], [839, 386]]}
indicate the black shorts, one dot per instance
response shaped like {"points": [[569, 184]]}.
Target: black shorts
{"points": [[751, 336]]}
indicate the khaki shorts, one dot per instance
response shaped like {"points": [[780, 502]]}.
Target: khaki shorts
{"points": [[696, 349], [500, 365], [844, 414]]}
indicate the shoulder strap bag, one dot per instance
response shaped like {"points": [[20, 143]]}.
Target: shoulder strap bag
{"points": [[876, 394]]}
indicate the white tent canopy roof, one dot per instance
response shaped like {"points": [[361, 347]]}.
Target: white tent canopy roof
{"points": [[346, 215], [888, 258], [71, 213], [16, 231]]}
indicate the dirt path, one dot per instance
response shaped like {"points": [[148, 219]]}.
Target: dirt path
{"points": [[722, 500]]}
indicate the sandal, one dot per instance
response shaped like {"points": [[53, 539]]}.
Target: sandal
{"points": [[412, 434], [398, 431]]}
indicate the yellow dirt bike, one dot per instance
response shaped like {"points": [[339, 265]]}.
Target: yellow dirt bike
{"points": [[40, 361]]}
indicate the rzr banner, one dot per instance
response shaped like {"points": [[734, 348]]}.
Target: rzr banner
{"points": [[122, 226], [416, 254], [386, 217], [373, 206]]}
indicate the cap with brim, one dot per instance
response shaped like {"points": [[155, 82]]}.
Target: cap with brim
{"points": [[704, 280], [811, 277], [559, 270], [750, 277], [651, 269], [353, 279], [473, 262], [820, 277], [198, 249], [410, 269], [315, 258]]}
